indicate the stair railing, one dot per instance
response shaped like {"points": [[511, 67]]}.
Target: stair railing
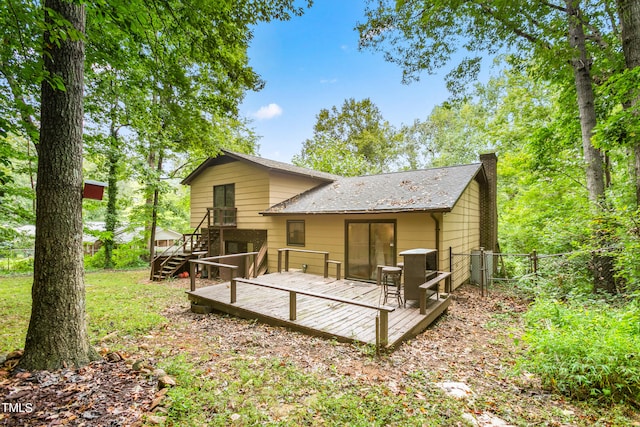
{"points": [[180, 245]]}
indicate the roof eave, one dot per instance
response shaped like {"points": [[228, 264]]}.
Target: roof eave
{"points": [[358, 212], [230, 154]]}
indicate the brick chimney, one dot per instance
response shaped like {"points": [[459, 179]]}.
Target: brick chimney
{"points": [[489, 203]]}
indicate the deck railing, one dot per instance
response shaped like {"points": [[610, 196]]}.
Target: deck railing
{"points": [[224, 217], [180, 246], [327, 261], [432, 284], [210, 262], [382, 320]]}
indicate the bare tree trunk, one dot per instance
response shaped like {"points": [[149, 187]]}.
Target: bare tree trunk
{"points": [[629, 11], [57, 334], [153, 200], [586, 104], [603, 270], [111, 217]]}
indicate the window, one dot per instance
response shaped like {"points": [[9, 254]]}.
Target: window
{"points": [[295, 233], [223, 203], [224, 196]]}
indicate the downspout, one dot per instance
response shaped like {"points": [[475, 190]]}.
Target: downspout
{"points": [[435, 219]]}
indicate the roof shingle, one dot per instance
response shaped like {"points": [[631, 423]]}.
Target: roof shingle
{"points": [[435, 190]]}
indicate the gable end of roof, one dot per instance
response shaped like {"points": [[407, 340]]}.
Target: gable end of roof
{"points": [[227, 156]]}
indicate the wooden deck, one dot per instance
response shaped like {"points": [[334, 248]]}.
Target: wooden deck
{"points": [[319, 306]]}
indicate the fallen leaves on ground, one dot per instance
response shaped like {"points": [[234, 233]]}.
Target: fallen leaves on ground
{"points": [[472, 344]]}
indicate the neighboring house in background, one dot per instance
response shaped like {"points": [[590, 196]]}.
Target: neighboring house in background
{"points": [[91, 242], [243, 203], [166, 238]]}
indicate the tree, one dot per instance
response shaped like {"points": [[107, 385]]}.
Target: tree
{"points": [[452, 134], [188, 75], [629, 12], [57, 333], [422, 36], [20, 75], [357, 134]]}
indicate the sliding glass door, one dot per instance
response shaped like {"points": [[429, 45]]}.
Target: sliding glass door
{"points": [[369, 244]]}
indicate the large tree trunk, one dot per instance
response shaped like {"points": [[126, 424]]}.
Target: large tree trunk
{"points": [[586, 103], [57, 334], [629, 11], [602, 263], [111, 218]]}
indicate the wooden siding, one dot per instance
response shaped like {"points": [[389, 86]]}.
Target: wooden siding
{"points": [[256, 189], [251, 192], [327, 233], [283, 186], [461, 227]]}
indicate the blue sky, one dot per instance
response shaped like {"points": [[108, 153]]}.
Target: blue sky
{"points": [[313, 62]]}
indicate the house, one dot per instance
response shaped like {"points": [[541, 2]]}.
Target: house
{"points": [[244, 203], [165, 238], [92, 240]]}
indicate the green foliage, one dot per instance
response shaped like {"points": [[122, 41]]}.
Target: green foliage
{"points": [[251, 390], [620, 124], [355, 140], [24, 265], [121, 302], [129, 256], [622, 224], [125, 256], [452, 134], [585, 351]]}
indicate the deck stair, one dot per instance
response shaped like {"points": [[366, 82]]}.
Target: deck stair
{"points": [[192, 245], [172, 265]]}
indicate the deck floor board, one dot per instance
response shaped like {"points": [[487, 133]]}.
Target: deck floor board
{"points": [[319, 316]]}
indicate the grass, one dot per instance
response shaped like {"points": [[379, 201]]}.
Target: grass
{"points": [[236, 385], [118, 303], [254, 390]]}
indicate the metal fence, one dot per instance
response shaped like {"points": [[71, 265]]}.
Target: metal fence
{"points": [[484, 268], [12, 260]]}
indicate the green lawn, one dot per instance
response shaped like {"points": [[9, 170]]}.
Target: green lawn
{"points": [[122, 303]]}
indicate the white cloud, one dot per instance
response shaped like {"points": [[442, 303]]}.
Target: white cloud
{"points": [[328, 81], [268, 112]]}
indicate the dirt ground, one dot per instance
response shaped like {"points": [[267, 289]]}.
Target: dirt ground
{"points": [[473, 343]]}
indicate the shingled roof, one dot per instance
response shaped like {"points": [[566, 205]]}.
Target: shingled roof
{"points": [[434, 190], [271, 165]]}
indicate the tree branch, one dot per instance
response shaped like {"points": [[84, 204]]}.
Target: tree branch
{"points": [[514, 27]]}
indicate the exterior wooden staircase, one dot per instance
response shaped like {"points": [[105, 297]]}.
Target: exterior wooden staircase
{"points": [[193, 245], [204, 241]]}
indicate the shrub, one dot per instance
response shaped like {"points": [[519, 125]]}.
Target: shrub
{"points": [[23, 265], [123, 256], [585, 351]]}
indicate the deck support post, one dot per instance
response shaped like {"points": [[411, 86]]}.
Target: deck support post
{"points": [[326, 265], [255, 267], [279, 260], [384, 328], [293, 310], [286, 260], [233, 287], [192, 275]]}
